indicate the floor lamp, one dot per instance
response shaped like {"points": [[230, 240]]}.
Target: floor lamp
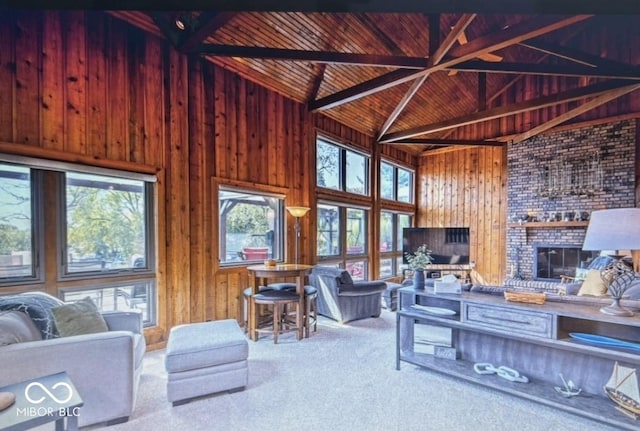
{"points": [[297, 212], [615, 229]]}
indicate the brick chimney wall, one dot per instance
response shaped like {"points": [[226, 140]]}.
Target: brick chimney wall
{"points": [[614, 143]]}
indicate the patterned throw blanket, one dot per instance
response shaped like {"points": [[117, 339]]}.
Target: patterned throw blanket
{"points": [[37, 305]]}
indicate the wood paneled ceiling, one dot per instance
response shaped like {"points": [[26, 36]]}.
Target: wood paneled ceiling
{"points": [[419, 79]]}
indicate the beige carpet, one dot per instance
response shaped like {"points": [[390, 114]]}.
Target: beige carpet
{"points": [[342, 378]]}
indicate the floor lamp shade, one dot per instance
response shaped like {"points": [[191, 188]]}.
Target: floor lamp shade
{"points": [[297, 212]]}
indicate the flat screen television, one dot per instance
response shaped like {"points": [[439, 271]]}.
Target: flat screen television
{"points": [[449, 245]]}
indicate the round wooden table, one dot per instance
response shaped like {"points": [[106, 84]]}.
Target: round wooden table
{"points": [[258, 275]]}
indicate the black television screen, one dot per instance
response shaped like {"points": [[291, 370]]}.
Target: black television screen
{"points": [[448, 245]]}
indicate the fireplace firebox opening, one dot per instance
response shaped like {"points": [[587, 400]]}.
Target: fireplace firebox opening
{"points": [[553, 261]]}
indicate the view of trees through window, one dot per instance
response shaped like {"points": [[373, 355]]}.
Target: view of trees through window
{"points": [[396, 183], [338, 168], [16, 252], [101, 226], [105, 222]]}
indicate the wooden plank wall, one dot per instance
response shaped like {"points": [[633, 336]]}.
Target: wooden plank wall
{"points": [[88, 88], [468, 188]]}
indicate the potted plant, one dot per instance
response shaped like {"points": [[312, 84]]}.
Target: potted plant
{"points": [[418, 262]]}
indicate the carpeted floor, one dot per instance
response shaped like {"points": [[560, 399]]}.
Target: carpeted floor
{"points": [[341, 378]]}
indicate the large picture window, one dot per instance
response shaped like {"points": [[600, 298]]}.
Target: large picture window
{"points": [[251, 225], [97, 232], [18, 231], [339, 168]]}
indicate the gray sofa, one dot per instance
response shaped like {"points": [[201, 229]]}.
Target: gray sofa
{"points": [[105, 367], [342, 299]]}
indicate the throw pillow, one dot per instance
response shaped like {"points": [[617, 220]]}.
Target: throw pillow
{"points": [[593, 284], [77, 318], [17, 327], [37, 305]]}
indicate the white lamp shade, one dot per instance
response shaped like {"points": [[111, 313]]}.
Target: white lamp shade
{"points": [[613, 229], [298, 211]]}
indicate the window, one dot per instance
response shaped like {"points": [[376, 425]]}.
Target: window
{"points": [[18, 248], [112, 297], [396, 183], [251, 225], [339, 168], [106, 224], [100, 231], [391, 225], [342, 238]]}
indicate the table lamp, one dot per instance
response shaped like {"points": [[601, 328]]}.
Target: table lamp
{"points": [[615, 229], [297, 212]]}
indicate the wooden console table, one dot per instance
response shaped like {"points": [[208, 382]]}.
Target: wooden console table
{"points": [[533, 339]]}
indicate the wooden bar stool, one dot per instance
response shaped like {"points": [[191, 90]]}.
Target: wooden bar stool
{"points": [[310, 304], [279, 300], [263, 319]]}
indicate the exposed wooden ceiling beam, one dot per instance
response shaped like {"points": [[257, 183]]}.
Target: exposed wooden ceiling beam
{"points": [[516, 108], [205, 25], [570, 54], [587, 106], [163, 21], [439, 53], [549, 69], [316, 82], [312, 56], [482, 45], [447, 142]]}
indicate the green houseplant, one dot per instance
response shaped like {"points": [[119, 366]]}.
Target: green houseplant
{"points": [[418, 262]]}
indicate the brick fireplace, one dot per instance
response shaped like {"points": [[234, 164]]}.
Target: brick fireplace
{"points": [[533, 188]]}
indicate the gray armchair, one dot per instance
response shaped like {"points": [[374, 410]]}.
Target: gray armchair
{"points": [[105, 367], [342, 299]]}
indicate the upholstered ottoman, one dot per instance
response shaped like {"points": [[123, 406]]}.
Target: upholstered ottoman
{"points": [[204, 358]]}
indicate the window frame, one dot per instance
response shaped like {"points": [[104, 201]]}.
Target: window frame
{"points": [[343, 258], [343, 172], [37, 229], [149, 217], [396, 251], [396, 168], [255, 189], [48, 186]]}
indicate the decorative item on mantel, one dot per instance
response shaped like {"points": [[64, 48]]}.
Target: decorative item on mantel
{"points": [[418, 262], [615, 230]]}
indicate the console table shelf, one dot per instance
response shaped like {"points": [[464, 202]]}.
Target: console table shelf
{"points": [[533, 339]]}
